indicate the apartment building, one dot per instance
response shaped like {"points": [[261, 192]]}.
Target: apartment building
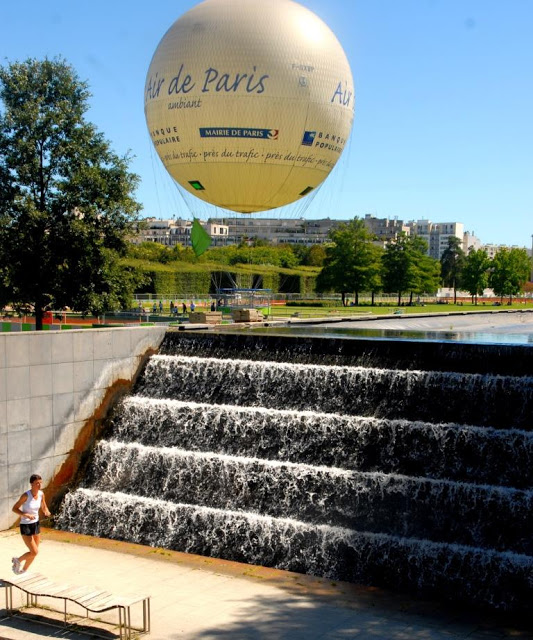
{"points": [[492, 249], [470, 242], [178, 231], [437, 234], [278, 230], [384, 229]]}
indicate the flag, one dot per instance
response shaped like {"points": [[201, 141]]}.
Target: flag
{"points": [[200, 239]]}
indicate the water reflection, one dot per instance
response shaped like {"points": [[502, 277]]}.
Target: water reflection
{"points": [[477, 337]]}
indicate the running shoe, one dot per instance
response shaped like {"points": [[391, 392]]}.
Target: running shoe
{"points": [[16, 565]]}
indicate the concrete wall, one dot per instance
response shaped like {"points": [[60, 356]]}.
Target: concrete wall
{"points": [[51, 387]]}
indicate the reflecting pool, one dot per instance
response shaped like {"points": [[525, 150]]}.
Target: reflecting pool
{"points": [[329, 331]]}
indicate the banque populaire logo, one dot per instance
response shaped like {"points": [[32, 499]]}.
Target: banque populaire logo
{"points": [[323, 140], [309, 138]]}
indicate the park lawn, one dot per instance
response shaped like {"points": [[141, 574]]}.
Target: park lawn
{"points": [[337, 310]]}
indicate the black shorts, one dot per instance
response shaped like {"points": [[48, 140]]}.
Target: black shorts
{"points": [[31, 529]]}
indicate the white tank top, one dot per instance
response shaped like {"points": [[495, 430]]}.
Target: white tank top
{"points": [[31, 508]]}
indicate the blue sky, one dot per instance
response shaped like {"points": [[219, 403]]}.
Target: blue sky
{"points": [[443, 125]]}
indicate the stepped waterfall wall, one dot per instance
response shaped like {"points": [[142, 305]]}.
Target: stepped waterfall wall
{"points": [[406, 465]]}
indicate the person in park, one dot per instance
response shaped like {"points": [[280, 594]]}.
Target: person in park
{"points": [[27, 507]]}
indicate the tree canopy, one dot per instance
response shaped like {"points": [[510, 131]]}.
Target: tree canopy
{"points": [[352, 262], [66, 203], [452, 265], [408, 269], [509, 271], [475, 273], [260, 253]]}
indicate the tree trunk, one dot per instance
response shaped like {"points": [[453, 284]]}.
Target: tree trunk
{"points": [[38, 317], [373, 298], [356, 298], [343, 298], [399, 298]]}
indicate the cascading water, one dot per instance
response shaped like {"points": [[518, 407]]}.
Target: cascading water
{"points": [[412, 479]]}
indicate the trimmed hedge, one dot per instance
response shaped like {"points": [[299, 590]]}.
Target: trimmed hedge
{"points": [[187, 278], [175, 277], [281, 280]]}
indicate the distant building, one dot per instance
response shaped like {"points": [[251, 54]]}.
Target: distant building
{"points": [[492, 249], [178, 231], [437, 234], [384, 229], [218, 231], [470, 242], [278, 230], [166, 232]]}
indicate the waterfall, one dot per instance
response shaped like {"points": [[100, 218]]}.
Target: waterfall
{"points": [[379, 392], [414, 479]]}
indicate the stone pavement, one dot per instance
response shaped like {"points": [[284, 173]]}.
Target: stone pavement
{"points": [[193, 597]]}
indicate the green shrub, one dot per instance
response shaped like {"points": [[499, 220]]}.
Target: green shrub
{"points": [[185, 278]]}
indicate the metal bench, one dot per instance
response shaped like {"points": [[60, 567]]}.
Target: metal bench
{"points": [[92, 599]]}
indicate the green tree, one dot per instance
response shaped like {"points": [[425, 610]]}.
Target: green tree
{"points": [[287, 257], [152, 251], [452, 264], [375, 281], [406, 267], [309, 256], [350, 265], [301, 252], [66, 204], [316, 256], [509, 272], [427, 275], [475, 273], [264, 254]]}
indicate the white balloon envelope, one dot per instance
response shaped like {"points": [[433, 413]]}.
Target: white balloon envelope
{"points": [[249, 103]]}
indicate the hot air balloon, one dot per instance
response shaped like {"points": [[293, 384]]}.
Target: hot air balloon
{"points": [[248, 103]]}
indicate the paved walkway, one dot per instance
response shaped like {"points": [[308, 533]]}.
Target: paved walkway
{"points": [[202, 598]]}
